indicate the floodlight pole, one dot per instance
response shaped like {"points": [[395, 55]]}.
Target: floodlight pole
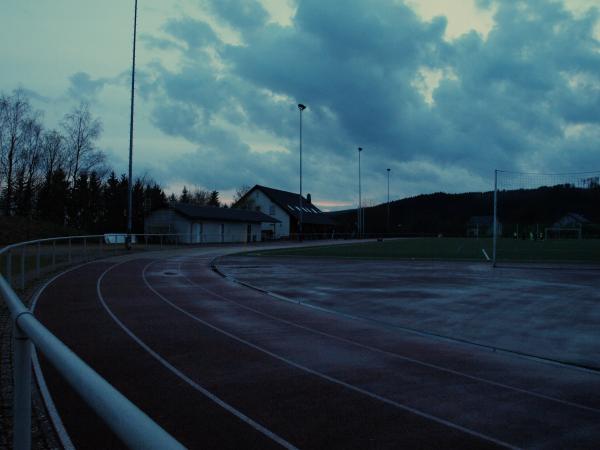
{"points": [[301, 108], [387, 225], [495, 218], [130, 187], [360, 213]]}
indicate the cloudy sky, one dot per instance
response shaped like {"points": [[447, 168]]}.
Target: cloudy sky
{"points": [[440, 91]]}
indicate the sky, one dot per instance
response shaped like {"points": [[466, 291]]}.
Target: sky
{"points": [[442, 92]]}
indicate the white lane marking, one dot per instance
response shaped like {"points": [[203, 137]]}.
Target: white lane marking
{"points": [[258, 427], [327, 377], [388, 353], [57, 423], [485, 254]]}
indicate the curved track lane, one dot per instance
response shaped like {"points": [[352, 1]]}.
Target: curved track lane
{"points": [[221, 366]]}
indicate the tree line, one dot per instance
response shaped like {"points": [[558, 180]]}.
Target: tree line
{"points": [[199, 197], [60, 175]]}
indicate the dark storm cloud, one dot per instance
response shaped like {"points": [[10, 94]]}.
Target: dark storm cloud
{"points": [[516, 99], [82, 86]]}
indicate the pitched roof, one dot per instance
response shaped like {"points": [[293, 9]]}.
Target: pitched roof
{"points": [[225, 214], [577, 217], [290, 203]]}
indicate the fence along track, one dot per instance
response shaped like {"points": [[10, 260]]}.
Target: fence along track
{"points": [[126, 420]]}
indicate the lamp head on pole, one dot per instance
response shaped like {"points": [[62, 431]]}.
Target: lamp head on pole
{"points": [[301, 107], [388, 170], [360, 149]]}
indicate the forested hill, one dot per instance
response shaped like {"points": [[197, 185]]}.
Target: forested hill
{"points": [[449, 214]]}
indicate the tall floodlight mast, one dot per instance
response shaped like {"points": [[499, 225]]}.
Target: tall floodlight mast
{"points": [[301, 108], [360, 218], [388, 202], [130, 187]]}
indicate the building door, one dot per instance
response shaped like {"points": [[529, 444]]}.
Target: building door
{"points": [[197, 233], [248, 233]]}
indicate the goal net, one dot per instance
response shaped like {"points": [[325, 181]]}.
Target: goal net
{"points": [[546, 217]]}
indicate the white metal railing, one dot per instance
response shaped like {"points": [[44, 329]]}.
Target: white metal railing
{"points": [[34, 258]]}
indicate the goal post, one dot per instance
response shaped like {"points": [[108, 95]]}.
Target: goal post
{"points": [[552, 217]]}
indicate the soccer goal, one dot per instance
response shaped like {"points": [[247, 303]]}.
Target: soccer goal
{"points": [[551, 217]]}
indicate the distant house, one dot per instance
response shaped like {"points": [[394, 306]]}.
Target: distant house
{"points": [[568, 226], [196, 224], [285, 207], [571, 220], [482, 226]]}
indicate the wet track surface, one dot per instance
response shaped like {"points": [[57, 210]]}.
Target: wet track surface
{"points": [[552, 313], [222, 366]]}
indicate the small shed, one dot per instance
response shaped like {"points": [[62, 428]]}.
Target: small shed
{"points": [[207, 224]]}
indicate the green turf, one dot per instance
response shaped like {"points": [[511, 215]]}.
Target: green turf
{"points": [[422, 248], [455, 249]]}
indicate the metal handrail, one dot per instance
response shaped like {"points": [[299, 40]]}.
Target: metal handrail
{"points": [[126, 420]]}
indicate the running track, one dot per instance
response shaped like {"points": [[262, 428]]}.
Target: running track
{"points": [[221, 366]]}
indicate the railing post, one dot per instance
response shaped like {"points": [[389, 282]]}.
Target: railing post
{"points": [[100, 247], [38, 260], [23, 268], [161, 244], [53, 254], [70, 255], [85, 258], [22, 394]]}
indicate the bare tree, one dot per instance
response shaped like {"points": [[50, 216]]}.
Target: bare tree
{"points": [[81, 130], [14, 111], [3, 137], [53, 154], [28, 164], [199, 197], [240, 192]]}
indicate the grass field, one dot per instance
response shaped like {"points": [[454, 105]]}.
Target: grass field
{"points": [[570, 250]]}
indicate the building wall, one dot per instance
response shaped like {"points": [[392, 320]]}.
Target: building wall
{"points": [[159, 222], [260, 200], [167, 221]]}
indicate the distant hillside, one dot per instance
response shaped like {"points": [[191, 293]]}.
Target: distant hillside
{"points": [[449, 214]]}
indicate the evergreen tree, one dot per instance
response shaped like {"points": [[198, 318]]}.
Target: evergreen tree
{"points": [[94, 210], [213, 200], [112, 206], [185, 196], [78, 202], [51, 202]]}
